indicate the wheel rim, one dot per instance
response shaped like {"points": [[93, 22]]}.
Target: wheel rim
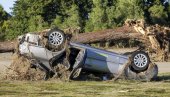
{"points": [[56, 38], [140, 60]]}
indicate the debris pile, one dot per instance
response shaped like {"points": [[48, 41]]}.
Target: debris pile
{"points": [[62, 72], [158, 37], [21, 69]]}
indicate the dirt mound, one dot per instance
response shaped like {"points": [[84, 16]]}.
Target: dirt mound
{"points": [[20, 70]]}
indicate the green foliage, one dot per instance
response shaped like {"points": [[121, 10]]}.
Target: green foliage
{"points": [[71, 16], [15, 28], [36, 23], [88, 15], [158, 13], [3, 18], [28, 16], [110, 10], [73, 19], [128, 9], [168, 11], [98, 19]]}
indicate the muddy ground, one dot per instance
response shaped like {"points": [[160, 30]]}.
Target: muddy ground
{"points": [[7, 58]]}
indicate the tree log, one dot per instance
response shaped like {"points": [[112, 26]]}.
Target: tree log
{"points": [[7, 46], [124, 32]]}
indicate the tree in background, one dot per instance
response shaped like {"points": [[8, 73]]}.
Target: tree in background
{"points": [[27, 17], [36, 23], [69, 16], [98, 18], [4, 16], [166, 4], [110, 10], [85, 8], [15, 27], [125, 9], [88, 15], [157, 13]]}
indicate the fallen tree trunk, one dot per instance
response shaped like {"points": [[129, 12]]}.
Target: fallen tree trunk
{"points": [[7, 46], [124, 32]]}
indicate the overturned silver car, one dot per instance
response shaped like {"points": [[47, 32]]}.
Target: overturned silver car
{"points": [[83, 59]]}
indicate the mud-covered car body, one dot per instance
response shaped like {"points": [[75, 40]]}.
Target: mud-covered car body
{"points": [[81, 58]]}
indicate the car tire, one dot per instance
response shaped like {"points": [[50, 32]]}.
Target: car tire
{"points": [[139, 61], [56, 37]]}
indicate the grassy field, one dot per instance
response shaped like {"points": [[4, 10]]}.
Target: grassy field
{"points": [[120, 88]]}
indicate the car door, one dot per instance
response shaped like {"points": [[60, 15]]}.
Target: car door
{"points": [[102, 61]]}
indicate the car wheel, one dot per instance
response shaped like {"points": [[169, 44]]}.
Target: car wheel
{"points": [[140, 61], [56, 37]]}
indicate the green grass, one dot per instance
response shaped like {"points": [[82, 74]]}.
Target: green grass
{"points": [[120, 88]]}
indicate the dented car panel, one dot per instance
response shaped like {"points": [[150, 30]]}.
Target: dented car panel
{"points": [[44, 55], [30, 47], [100, 60]]}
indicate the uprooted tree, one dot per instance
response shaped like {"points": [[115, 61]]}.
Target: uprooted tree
{"points": [[155, 38]]}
